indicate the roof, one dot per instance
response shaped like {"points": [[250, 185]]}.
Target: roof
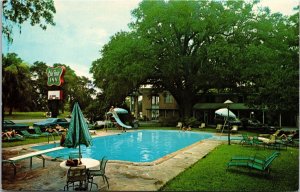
{"points": [[220, 105]]}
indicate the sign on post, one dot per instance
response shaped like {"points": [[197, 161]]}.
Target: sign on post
{"points": [[55, 75]]}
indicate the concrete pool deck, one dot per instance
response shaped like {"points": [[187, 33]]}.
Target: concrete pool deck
{"points": [[123, 176]]}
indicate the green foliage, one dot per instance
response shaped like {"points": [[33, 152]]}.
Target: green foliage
{"points": [[168, 121], [190, 47], [210, 174], [16, 12], [25, 88], [121, 68], [192, 122], [15, 83], [38, 82]]}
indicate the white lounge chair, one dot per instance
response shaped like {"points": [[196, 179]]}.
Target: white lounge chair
{"points": [[234, 129], [219, 127], [202, 125], [179, 125]]}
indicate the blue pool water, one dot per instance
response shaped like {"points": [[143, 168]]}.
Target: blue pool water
{"points": [[137, 146]]}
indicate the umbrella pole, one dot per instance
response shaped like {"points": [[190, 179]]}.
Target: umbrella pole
{"points": [[79, 155]]}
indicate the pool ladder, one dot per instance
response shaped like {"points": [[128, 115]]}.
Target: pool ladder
{"points": [[53, 138]]}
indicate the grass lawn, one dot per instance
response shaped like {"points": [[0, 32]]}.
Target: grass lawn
{"points": [[30, 115], [29, 141], [210, 174]]}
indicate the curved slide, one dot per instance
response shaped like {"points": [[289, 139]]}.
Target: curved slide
{"points": [[118, 120]]}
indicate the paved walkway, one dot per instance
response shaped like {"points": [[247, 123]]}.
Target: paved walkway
{"points": [[123, 176]]}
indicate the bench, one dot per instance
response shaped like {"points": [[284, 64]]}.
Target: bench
{"points": [[29, 155]]}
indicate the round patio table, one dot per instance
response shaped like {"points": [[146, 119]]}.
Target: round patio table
{"points": [[88, 162]]}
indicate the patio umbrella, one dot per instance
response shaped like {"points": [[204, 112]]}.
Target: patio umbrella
{"points": [[224, 112], [78, 132]]}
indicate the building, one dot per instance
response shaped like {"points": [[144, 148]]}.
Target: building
{"points": [[162, 106]]}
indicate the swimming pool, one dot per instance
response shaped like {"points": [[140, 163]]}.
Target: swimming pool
{"points": [[137, 146]]}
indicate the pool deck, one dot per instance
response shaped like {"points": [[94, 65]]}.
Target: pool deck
{"points": [[123, 176]]}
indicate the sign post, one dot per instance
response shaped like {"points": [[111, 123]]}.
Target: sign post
{"points": [[55, 82]]}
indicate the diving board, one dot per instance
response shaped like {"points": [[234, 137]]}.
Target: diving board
{"points": [[30, 155]]}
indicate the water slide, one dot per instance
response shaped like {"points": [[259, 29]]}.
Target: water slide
{"points": [[118, 120]]}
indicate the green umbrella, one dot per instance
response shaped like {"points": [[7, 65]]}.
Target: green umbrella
{"points": [[78, 132]]}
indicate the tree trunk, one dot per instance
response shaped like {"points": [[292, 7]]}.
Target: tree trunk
{"points": [[10, 110], [136, 107], [185, 105]]}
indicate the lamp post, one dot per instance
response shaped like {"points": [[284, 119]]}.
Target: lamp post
{"points": [[227, 103]]}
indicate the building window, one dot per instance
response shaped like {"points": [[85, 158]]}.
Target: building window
{"points": [[154, 107], [168, 98], [155, 101]]}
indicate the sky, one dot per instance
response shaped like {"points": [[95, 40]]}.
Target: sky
{"points": [[82, 28]]}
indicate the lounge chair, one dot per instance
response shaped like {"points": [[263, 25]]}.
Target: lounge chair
{"points": [[254, 162], [246, 140], [257, 142], [269, 135], [234, 129], [14, 138], [263, 164], [179, 125], [202, 125], [272, 142], [29, 135], [38, 131], [219, 127], [100, 172]]}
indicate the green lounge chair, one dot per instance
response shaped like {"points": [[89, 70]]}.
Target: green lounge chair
{"points": [[38, 131], [254, 162], [29, 135], [14, 138], [246, 140], [263, 165], [258, 142]]}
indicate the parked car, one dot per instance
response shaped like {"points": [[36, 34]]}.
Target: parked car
{"points": [[254, 124], [233, 121], [8, 125], [52, 122]]}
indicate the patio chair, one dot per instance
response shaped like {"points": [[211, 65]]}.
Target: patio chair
{"points": [[29, 135], [179, 125], [77, 177], [202, 126], [246, 140], [234, 129], [100, 172], [219, 127], [38, 131]]}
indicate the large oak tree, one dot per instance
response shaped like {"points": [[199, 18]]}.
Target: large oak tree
{"points": [[190, 47]]}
